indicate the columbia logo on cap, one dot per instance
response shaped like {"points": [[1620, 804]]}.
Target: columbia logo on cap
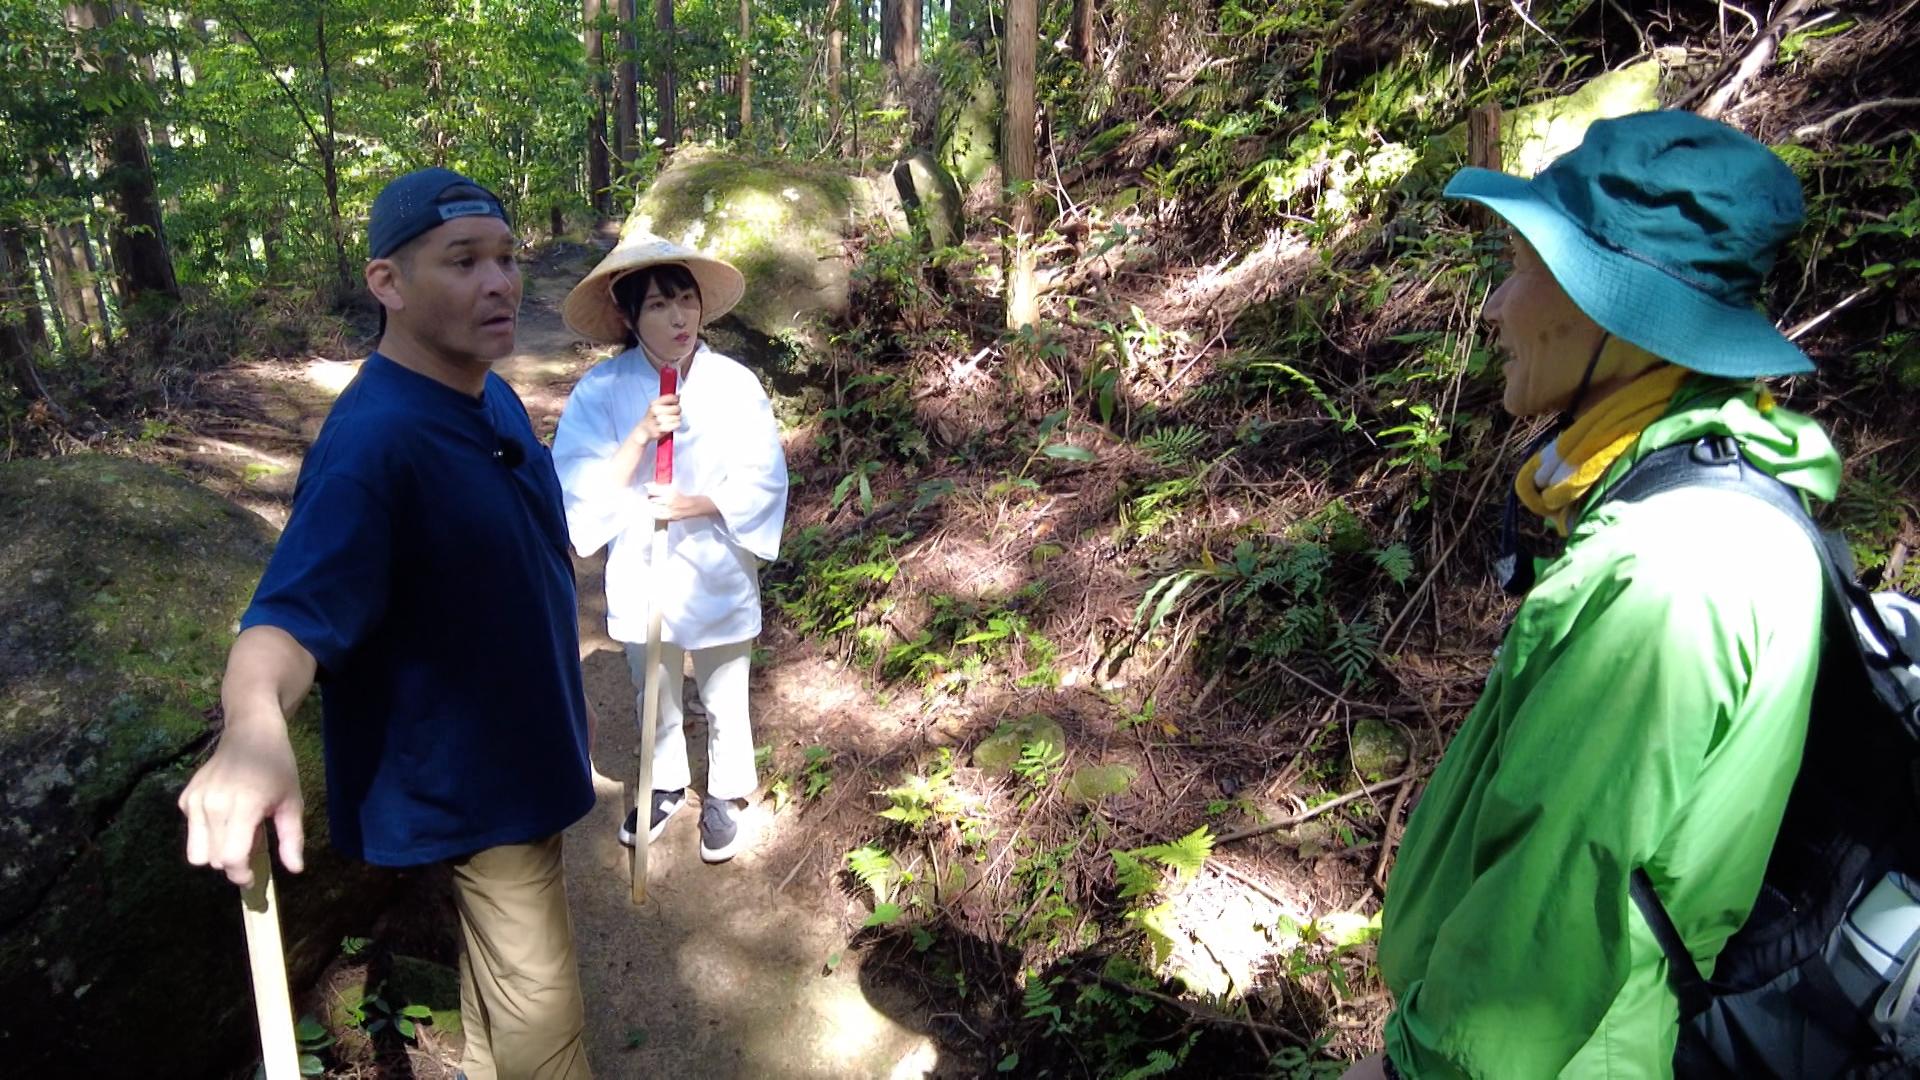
{"points": [[468, 208]]}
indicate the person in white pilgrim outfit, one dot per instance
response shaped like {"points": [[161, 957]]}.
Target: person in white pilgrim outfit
{"points": [[725, 508]]}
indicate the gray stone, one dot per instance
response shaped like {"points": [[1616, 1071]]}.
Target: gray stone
{"points": [[120, 587], [1378, 749], [930, 190]]}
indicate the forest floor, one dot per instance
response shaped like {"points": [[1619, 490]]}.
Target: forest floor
{"points": [[729, 970]]}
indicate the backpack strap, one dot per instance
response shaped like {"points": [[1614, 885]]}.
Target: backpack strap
{"points": [[1713, 461], [1683, 975]]}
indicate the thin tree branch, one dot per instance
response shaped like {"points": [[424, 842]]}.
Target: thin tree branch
{"points": [[1852, 111], [1309, 815], [319, 145]]}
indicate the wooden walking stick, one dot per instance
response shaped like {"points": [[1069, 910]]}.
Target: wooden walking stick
{"points": [[650, 711], [260, 915]]}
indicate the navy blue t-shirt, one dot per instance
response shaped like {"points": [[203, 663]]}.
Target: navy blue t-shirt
{"points": [[425, 567]]}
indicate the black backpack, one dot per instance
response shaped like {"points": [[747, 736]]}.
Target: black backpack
{"points": [[1810, 986]]}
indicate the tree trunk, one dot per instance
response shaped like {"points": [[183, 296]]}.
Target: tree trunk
{"points": [[836, 54], [329, 158], [1080, 38], [899, 43], [138, 237], [71, 277], [746, 67], [1022, 40], [22, 331], [669, 122], [599, 174], [626, 88]]}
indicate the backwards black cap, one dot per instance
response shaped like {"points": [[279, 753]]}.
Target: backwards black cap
{"points": [[423, 200]]}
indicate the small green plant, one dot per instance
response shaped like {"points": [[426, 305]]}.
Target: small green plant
{"points": [[1174, 447], [311, 1040], [860, 477], [1140, 874]]}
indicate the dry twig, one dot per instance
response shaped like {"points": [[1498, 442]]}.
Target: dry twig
{"points": [[1308, 815]]}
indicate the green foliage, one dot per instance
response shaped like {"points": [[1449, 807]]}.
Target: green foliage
{"points": [[1174, 447], [874, 868], [1873, 512], [831, 588]]}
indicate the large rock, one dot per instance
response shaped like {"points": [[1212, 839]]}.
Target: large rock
{"points": [[933, 196], [969, 126], [784, 224], [1531, 136], [120, 586]]}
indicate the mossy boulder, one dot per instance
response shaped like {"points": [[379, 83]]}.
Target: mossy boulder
{"points": [[969, 145], [998, 752], [1531, 136], [934, 197], [120, 587], [1378, 749], [784, 224]]}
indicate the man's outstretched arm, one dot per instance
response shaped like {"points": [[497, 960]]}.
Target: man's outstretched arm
{"points": [[252, 774]]}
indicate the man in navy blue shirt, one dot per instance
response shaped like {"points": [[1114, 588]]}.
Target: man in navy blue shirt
{"points": [[423, 581]]}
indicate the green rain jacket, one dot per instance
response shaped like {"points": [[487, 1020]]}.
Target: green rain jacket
{"points": [[1647, 710]]}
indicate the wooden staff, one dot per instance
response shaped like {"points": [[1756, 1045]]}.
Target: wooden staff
{"points": [[650, 710], [260, 914]]}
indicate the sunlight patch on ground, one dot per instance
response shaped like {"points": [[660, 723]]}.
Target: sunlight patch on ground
{"points": [[1229, 936], [331, 376]]}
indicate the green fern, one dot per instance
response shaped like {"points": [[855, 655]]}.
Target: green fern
{"points": [[1352, 650], [1184, 856], [1174, 447], [1396, 560], [874, 867]]}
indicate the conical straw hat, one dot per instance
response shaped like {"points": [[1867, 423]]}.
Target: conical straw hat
{"points": [[590, 309]]}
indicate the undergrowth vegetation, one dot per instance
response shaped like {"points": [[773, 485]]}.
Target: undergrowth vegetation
{"points": [[1187, 582]]}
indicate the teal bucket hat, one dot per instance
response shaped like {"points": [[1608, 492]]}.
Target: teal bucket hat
{"points": [[1662, 226]]}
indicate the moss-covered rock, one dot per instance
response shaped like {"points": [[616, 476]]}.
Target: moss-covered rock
{"points": [[1378, 749], [998, 752], [1533, 135], [970, 132], [934, 197], [120, 588], [784, 224]]}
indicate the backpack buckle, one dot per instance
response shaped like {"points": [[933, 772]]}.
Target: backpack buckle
{"points": [[1716, 450]]}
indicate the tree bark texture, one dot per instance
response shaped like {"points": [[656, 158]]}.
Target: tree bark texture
{"points": [[746, 67], [836, 59], [626, 88], [138, 237], [22, 330], [1022, 42], [1081, 36], [71, 265], [899, 42], [669, 124], [329, 156], [599, 170]]}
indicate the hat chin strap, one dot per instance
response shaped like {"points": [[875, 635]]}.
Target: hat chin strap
{"points": [[1513, 567]]}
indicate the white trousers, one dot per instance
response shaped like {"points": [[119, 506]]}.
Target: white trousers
{"points": [[721, 674]]}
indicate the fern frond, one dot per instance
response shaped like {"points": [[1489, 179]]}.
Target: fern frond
{"points": [[874, 867], [1396, 560], [1173, 447]]}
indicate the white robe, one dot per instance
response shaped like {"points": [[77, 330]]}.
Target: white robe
{"points": [[727, 448]]}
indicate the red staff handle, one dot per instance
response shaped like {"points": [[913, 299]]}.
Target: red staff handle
{"points": [[663, 456]]}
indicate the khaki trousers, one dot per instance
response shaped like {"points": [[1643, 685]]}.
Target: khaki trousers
{"points": [[519, 981]]}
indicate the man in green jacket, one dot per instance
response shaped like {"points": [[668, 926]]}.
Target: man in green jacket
{"points": [[1650, 700]]}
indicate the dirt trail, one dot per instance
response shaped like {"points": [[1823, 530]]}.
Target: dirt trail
{"points": [[728, 971]]}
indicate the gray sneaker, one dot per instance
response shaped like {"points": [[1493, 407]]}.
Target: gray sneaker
{"points": [[665, 805], [723, 829]]}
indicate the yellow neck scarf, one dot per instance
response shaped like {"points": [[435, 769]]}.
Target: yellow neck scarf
{"points": [[1587, 449]]}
